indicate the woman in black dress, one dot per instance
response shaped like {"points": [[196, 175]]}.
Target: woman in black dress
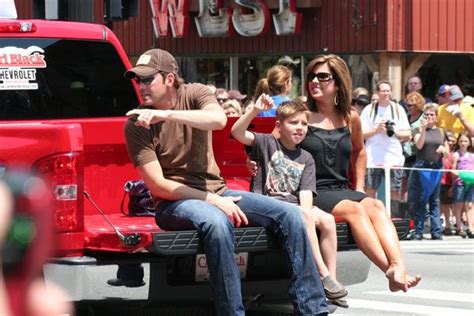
{"points": [[336, 142]]}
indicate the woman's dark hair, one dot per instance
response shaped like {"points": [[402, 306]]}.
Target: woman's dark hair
{"points": [[342, 77]]}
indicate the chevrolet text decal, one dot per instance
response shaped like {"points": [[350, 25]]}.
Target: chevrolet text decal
{"points": [[214, 20], [18, 67]]}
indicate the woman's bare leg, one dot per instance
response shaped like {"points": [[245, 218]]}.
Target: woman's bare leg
{"points": [[470, 215], [457, 210], [363, 231], [387, 235]]}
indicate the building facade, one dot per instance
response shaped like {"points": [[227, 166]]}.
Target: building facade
{"points": [[231, 43]]}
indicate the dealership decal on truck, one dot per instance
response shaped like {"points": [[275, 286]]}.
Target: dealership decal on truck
{"points": [[18, 67]]}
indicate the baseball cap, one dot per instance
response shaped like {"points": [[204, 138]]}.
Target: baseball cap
{"points": [[455, 93], [287, 60], [235, 94], [443, 89], [362, 99], [151, 62]]}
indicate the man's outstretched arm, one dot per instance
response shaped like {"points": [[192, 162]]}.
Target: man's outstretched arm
{"points": [[210, 117]]}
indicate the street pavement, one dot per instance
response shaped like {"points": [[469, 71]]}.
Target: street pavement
{"points": [[447, 287]]}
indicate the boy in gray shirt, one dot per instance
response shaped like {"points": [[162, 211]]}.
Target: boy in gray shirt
{"points": [[288, 173]]}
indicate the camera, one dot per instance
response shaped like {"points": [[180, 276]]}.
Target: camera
{"points": [[390, 128]]}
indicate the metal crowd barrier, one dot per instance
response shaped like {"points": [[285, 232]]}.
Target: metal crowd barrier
{"points": [[387, 188]]}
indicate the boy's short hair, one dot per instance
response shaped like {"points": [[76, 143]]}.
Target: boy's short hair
{"points": [[290, 108]]}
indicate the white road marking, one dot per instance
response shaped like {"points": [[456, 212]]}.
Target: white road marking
{"points": [[430, 294], [428, 244], [405, 308]]}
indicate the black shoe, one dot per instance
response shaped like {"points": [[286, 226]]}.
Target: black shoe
{"points": [[126, 283], [461, 233], [436, 237], [469, 233], [447, 232], [418, 237]]}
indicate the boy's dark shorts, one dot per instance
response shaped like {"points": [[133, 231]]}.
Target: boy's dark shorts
{"points": [[446, 197], [374, 178]]}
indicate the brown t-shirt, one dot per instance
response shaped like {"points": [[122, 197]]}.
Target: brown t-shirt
{"points": [[185, 153]]}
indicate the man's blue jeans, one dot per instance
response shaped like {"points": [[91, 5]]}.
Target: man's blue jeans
{"points": [[216, 232], [418, 197]]}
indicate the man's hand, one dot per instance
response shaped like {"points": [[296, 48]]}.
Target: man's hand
{"points": [[227, 205], [381, 128], [146, 117]]}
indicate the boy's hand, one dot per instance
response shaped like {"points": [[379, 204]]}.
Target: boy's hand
{"points": [[263, 103], [251, 167]]}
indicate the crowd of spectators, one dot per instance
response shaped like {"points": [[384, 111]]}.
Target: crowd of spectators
{"points": [[391, 131]]}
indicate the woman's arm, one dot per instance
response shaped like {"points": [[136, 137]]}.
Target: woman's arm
{"points": [[359, 155], [419, 138]]}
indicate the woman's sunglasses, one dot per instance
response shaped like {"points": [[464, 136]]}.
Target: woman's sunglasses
{"points": [[322, 76]]}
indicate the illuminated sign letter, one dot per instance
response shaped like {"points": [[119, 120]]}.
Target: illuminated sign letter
{"points": [[287, 21], [177, 13], [253, 24], [213, 20]]}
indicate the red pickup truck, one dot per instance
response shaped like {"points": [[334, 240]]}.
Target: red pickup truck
{"points": [[62, 103]]}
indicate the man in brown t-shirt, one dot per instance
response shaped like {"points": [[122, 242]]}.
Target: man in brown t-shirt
{"points": [[169, 142]]}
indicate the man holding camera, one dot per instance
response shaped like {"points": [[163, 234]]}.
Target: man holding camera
{"points": [[385, 126]]}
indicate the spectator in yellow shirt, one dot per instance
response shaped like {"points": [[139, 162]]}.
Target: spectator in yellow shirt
{"points": [[456, 116]]}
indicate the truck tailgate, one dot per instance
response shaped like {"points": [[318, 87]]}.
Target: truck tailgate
{"points": [[24, 143]]}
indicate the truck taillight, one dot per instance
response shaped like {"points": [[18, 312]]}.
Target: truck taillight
{"points": [[17, 27], [64, 174]]}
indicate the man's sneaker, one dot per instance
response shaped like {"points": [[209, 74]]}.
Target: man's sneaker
{"points": [[461, 233], [126, 283], [436, 237], [418, 237]]}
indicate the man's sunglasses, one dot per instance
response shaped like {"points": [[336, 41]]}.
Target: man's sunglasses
{"points": [[145, 80], [322, 76]]}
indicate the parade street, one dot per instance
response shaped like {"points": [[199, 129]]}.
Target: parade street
{"points": [[447, 287]]}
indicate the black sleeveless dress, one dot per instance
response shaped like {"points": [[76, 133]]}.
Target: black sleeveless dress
{"points": [[331, 150]]}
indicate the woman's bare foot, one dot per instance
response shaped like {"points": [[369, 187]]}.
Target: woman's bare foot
{"points": [[413, 281], [398, 280]]}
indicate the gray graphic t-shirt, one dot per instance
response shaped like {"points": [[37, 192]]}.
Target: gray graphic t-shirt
{"points": [[281, 173]]}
